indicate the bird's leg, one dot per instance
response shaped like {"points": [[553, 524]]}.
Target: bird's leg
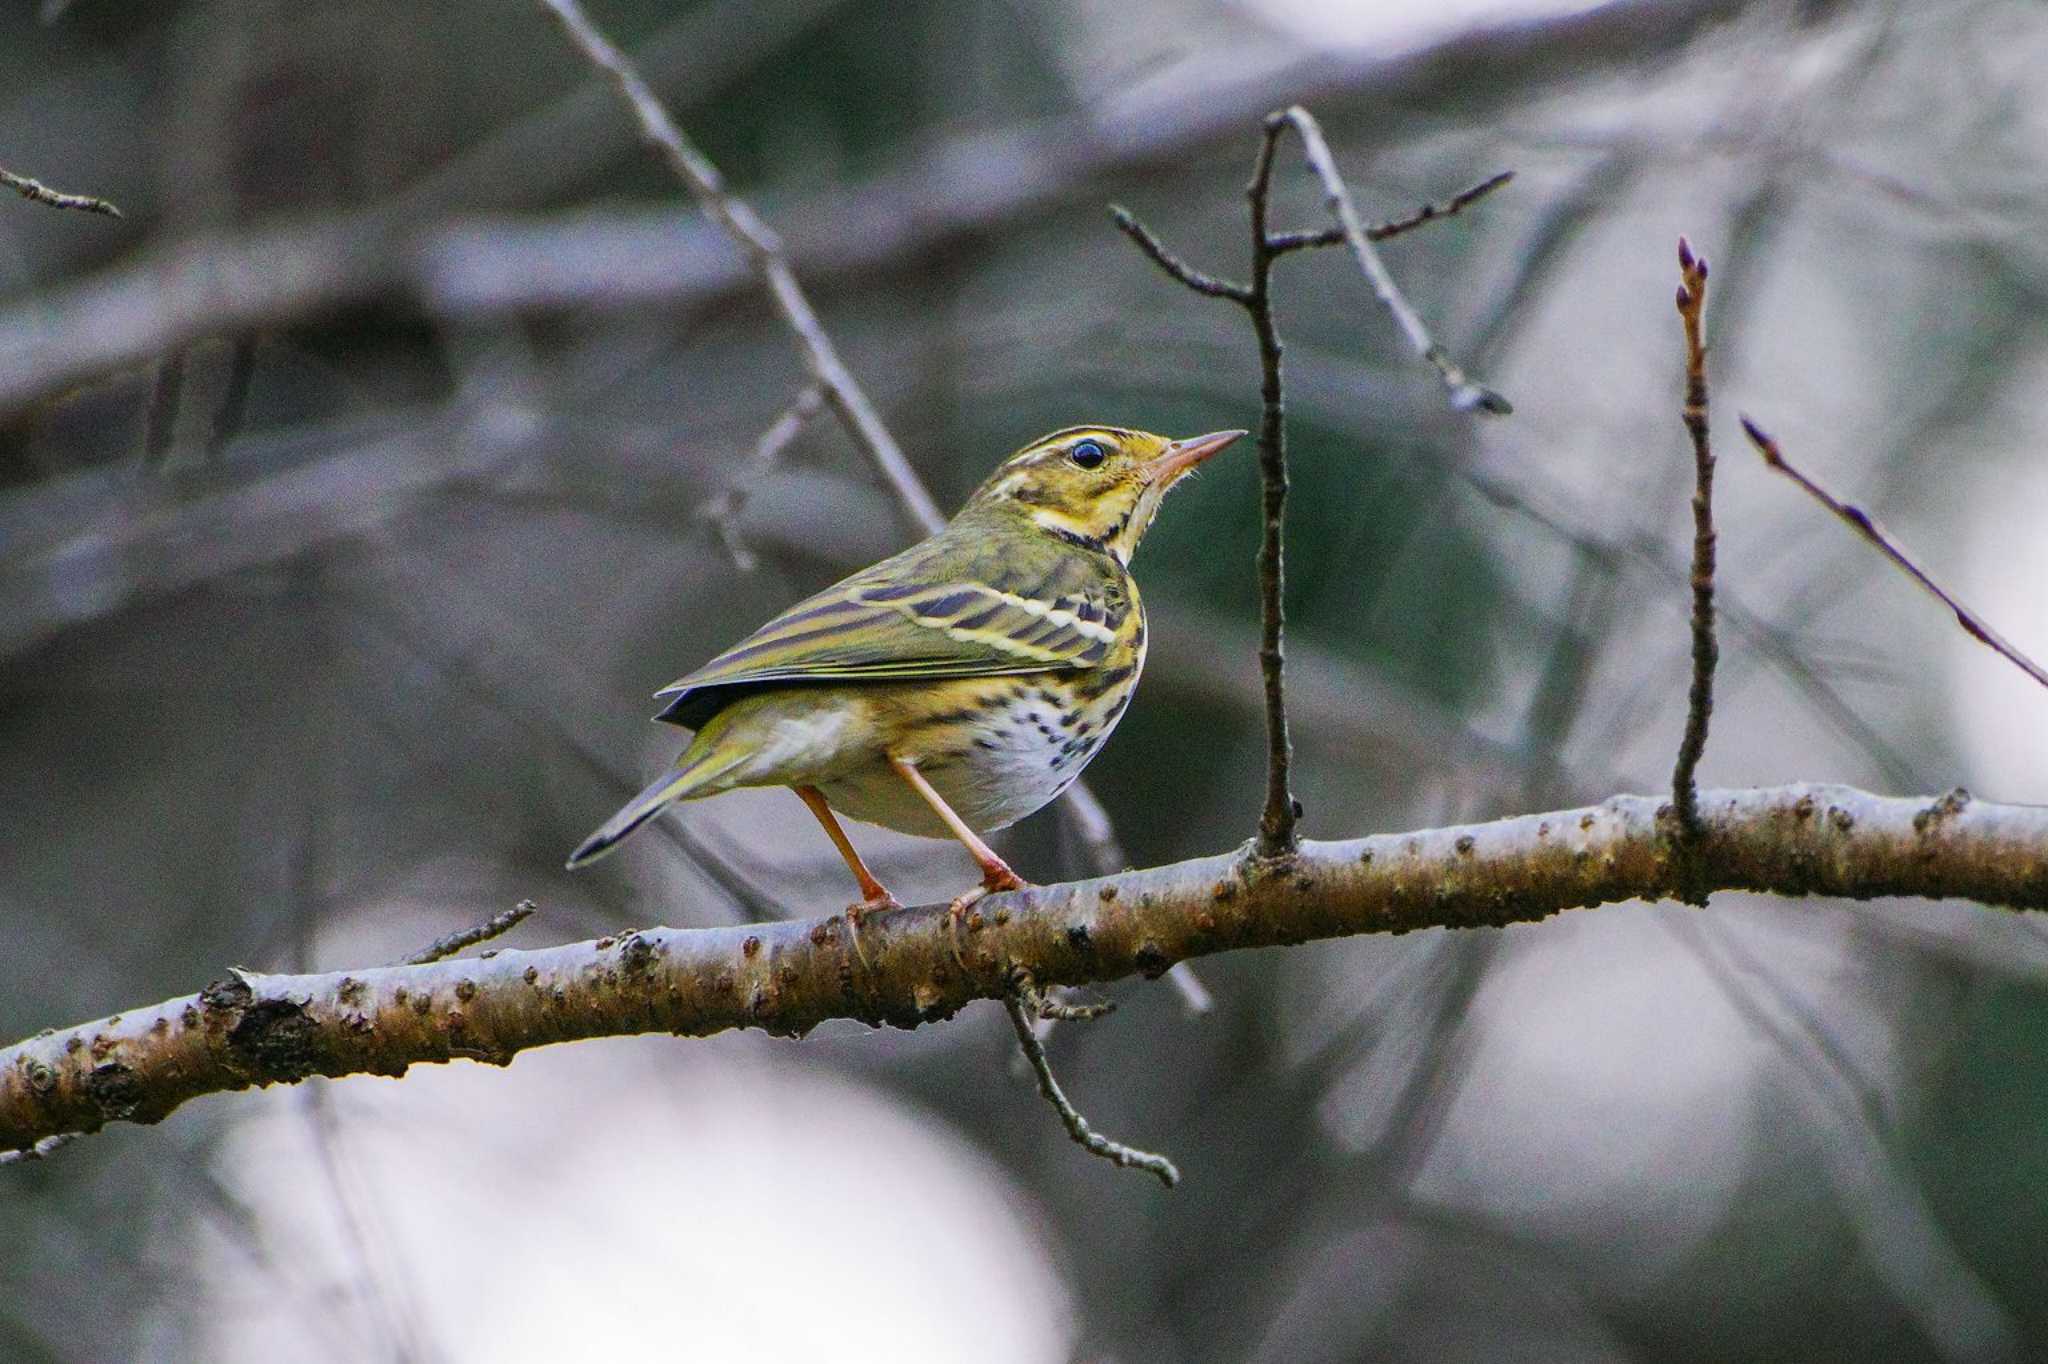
{"points": [[995, 873], [874, 896]]}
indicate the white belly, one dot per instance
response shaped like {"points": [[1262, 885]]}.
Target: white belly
{"points": [[1022, 760]]}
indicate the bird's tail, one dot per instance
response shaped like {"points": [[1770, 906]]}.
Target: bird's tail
{"points": [[695, 772]]}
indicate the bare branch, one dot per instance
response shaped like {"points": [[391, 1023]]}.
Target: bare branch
{"points": [[764, 249], [499, 924], [1077, 1126], [180, 291], [1281, 812], [1692, 303], [1282, 242], [1277, 833], [1128, 224], [1866, 526], [722, 511], [38, 192], [789, 976], [1467, 395]]}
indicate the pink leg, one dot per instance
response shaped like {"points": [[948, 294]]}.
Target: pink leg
{"points": [[995, 873], [874, 896]]}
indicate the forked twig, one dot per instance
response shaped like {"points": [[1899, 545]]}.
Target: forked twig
{"points": [[722, 511], [764, 250], [1428, 213], [1077, 1126], [1706, 653], [1277, 821], [1467, 394], [1866, 526]]}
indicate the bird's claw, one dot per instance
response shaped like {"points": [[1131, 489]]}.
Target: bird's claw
{"points": [[857, 913]]}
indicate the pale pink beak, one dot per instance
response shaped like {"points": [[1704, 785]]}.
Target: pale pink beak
{"points": [[1184, 455]]}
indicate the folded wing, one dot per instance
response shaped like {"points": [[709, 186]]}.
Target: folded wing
{"points": [[878, 627]]}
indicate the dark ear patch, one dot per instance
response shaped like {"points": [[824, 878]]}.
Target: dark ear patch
{"points": [[1034, 495]]}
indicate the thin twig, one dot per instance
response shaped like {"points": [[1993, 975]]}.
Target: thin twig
{"points": [[1866, 526], [499, 924], [1090, 823], [1066, 1011], [764, 249], [56, 198], [1692, 302], [1280, 812], [1277, 821], [1127, 223], [1283, 242], [1077, 1126], [722, 512], [1467, 394]]}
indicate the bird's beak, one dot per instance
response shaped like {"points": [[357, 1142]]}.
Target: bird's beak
{"points": [[1183, 455]]}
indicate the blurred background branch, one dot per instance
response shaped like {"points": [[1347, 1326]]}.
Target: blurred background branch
{"points": [[35, 191]]}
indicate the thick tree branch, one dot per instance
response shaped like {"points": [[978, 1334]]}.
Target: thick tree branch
{"points": [[788, 977]]}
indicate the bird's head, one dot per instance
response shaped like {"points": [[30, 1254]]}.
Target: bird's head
{"points": [[1097, 485]]}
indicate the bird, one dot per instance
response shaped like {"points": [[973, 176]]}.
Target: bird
{"points": [[951, 689]]}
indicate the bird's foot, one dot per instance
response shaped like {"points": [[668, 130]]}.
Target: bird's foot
{"points": [[857, 914], [995, 878]]}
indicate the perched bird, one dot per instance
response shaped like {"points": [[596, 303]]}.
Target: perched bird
{"points": [[953, 688]]}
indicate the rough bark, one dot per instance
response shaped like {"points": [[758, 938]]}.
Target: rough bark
{"points": [[140, 1065]]}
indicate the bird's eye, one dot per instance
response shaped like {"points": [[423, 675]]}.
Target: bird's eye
{"points": [[1087, 453]]}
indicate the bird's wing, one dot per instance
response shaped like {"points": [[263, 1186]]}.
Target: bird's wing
{"points": [[885, 625]]}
